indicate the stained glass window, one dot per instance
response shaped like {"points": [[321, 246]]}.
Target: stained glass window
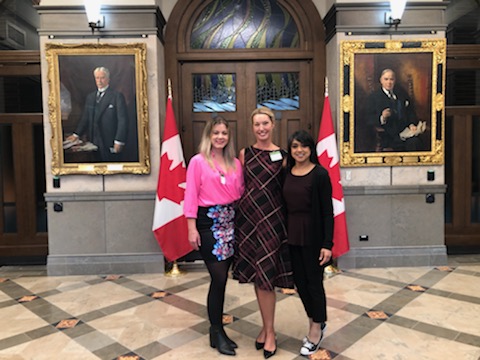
{"points": [[278, 91], [244, 24], [214, 93]]}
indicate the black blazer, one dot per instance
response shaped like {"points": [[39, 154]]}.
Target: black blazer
{"points": [[322, 209], [403, 113]]}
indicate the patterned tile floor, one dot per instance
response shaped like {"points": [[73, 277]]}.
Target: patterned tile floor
{"points": [[381, 313]]}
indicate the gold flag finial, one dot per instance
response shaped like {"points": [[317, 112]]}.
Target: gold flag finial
{"points": [[169, 88]]}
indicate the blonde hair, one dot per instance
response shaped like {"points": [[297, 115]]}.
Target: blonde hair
{"points": [[265, 111], [206, 144]]}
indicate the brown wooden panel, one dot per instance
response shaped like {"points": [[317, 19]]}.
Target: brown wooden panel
{"points": [[461, 233], [27, 242]]}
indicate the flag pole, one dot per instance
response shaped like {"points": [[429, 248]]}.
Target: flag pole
{"points": [[169, 88]]}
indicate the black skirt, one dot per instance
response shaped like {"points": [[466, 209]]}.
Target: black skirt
{"points": [[216, 228]]}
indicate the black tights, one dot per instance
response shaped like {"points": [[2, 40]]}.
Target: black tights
{"points": [[216, 293]]}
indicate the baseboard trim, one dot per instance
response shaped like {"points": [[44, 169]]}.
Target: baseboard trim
{"points": [[394, 257], [58, 265]]}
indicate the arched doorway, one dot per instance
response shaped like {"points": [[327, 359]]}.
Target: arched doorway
{"points": [[228, 57]]}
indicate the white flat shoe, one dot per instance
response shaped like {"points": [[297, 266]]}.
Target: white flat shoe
{"points": [[323, 326], [310, 348]]}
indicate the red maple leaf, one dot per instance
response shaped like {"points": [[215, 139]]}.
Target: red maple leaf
{"points": [[168, 184], [334, 173]]}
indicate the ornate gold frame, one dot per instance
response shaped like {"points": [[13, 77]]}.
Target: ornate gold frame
{"points": [[361, 62], [125, 58]]}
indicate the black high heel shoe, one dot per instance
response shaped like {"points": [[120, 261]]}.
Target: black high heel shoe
{"points": [[230, 342], [219, 342], [268, 354], [259, 345]]}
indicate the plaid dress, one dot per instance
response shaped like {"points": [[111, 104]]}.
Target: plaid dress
{"points": [[261, 251]]}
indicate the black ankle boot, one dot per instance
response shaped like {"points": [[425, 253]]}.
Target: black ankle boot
{"points": [[230, 342], [218, 341]]}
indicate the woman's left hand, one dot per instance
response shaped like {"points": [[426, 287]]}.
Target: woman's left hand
{"points": [[325, 256]]}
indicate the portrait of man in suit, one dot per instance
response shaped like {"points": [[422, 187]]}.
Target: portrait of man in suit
{"points": [[391, 112], [103, 125]]}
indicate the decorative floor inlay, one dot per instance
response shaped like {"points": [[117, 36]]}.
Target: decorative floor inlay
{"points": [[416, 288], [445, 268], [159, 294], [288, 291], [27, 298], [227, 319], [377, 315], [321, 354], [112, 277], [67, 324], [129, 357]]}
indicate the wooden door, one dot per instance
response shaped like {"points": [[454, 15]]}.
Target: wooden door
{"points": [[23, 222], [462, 175], [245, 82], [462, 150]]}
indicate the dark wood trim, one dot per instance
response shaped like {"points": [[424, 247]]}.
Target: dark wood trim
{"points": [[30, 118], [463, 57], [472, 110], [463, 51], [245, 55], [19, 57]]}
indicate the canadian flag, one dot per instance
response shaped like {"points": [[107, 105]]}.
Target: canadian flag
{"points": [[169, 223], [328, 157]]}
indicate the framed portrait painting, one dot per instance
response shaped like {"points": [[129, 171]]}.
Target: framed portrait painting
{"points": [[392, 102], [98, 108]]}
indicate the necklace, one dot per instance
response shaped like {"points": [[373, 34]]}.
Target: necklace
{"points": [[223, 179]]}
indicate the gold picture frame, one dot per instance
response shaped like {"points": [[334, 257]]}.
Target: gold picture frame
{"points": [[122, 113], [367, 137]]}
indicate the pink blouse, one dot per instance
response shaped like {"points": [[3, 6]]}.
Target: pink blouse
{"points": [[207, 186]]}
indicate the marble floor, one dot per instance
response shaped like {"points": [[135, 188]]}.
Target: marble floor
{"points": [[381, 313]]}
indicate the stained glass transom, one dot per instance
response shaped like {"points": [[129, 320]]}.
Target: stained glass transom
{"points": [[244, 24]]}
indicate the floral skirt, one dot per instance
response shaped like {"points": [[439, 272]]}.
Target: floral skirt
{"points": [[216, 227]]}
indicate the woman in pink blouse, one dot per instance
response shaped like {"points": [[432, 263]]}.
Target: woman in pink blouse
{"points": [[214, 184]]}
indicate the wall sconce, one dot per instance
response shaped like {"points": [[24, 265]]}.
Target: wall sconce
{"points": [[95, 20], [394, 17]]}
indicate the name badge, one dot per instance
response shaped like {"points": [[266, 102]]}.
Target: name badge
{"points": [[276, 155]]}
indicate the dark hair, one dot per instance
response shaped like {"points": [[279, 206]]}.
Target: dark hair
{"points": [[305, 139]]}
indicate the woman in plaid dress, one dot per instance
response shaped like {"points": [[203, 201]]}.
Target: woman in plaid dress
{"points": [[261, 254]]}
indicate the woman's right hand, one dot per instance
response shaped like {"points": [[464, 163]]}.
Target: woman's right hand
{"points": [[193, 235], [194, 239]]}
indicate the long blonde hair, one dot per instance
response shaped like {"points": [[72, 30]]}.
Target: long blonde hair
{"points": [[205, 146]]}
